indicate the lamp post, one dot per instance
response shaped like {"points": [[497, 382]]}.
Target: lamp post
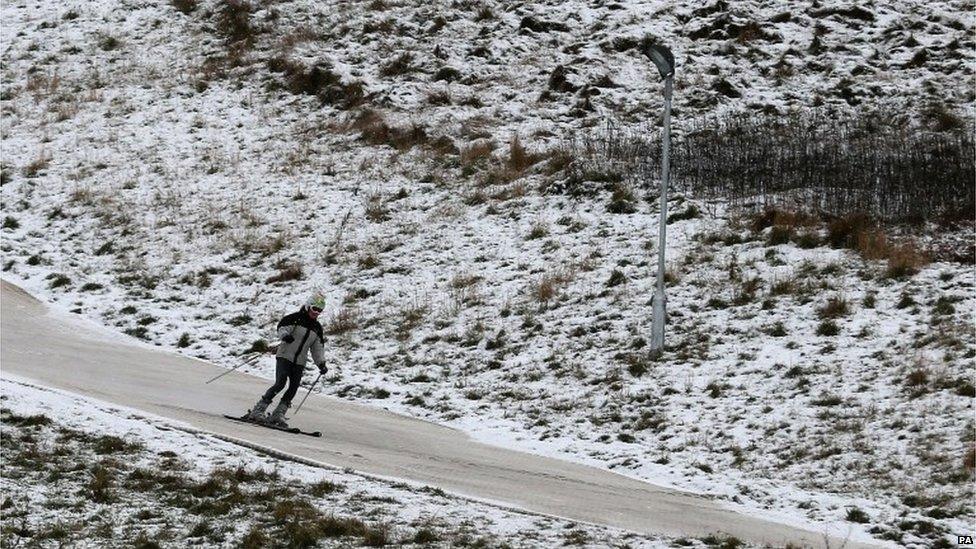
{"points": [[664, 61]]}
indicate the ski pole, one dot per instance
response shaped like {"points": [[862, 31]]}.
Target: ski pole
{"points": [[247, 362], [314, 383]]}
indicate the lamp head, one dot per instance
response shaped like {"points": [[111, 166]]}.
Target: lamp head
{"points": [[660, 55]]}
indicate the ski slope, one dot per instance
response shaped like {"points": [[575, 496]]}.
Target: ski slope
{"points": [[70, 354]]}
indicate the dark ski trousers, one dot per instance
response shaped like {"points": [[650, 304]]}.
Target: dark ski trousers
{"points": [[285, 371]]}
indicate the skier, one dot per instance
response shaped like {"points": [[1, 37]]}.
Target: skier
{"points": [[300, 332]]}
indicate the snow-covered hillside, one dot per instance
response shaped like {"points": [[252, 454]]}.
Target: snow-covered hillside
{"points": [[189, 172]]}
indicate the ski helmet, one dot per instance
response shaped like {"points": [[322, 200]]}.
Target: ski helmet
{"points": [[315, 301]]}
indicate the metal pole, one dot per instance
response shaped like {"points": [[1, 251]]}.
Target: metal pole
{"points": [[247, 362], [658, 302], [310, 387]]}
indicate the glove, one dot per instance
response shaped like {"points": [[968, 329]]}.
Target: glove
{"points": [[323, 369], [288, 338]]}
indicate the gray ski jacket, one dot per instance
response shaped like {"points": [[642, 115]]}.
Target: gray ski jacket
{"points": [[307, 334]]}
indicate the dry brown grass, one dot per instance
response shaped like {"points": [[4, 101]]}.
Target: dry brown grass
{"points": [[856, 232], [842, 232], [344, 321], [872, 244], [476, 152], [550, 284], [519, 159], [234, 20], [463, 290], [905, 260], [375, 130], [786, 219], [513, 191], [42, 85], [557, 160], [287, 272], [835, 307], [376, 210], [39, 164], [298, 36]]}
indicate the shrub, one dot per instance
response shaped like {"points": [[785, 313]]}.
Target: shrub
{"points": [[917, 377], [240, 320], [827, 400], [906, 300], [319, 80], [484, 13], [904, 261], [438, 24], [690, 212], [98, 488], [425, 536], [377, 536], [201, 529], [287, 272], [807, 240], [476, 152], [376, 210], [58, 280], [36, 166], [779, 235], [843, 232], [777, 329], [324, 487], [717, 303], [10, 223], [439, 97], [722, 541], [109, 43], [785, 286], [368, 261], [447, 74], [375, 130], [835, 307], [547, 286], [747, 291], [616, 278], [142, 541], [828, 328], [943, 306], [184, 6], [109, 444], [344, 321], [856, 515], [234, 20], [622, 200], [540, 229], [26, 421], [402, 64]]}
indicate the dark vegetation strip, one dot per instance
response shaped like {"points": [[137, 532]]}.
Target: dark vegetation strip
{"points": [[833, 165]]}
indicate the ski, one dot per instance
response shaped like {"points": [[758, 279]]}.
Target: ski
{"points": [[292, 430]]}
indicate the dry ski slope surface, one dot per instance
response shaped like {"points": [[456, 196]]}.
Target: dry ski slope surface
{"points": [[75, 356]]}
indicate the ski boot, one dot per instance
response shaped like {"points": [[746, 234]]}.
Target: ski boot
{"points": [[257, 412], [277, 418]]}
